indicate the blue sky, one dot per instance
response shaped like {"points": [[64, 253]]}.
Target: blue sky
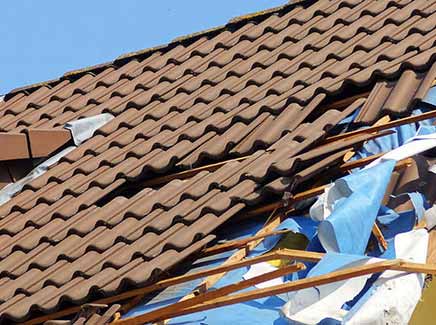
{"points": [[42, 39]]}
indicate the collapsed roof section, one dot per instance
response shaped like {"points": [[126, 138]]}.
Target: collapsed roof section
{"points": [[267, 90]]}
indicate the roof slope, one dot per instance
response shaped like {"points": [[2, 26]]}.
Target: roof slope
{"points": [[260, 86]]}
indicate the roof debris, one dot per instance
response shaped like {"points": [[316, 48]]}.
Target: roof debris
{"points": [[297, 145]]}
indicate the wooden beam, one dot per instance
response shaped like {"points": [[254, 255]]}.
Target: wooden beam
{"points": [[431, 250], [272, 222], [233, 244], [388, 125], [43, 142], [14, 146], [299, 255], [167, 283], [160, 314], [335, 276], [379, 235]]}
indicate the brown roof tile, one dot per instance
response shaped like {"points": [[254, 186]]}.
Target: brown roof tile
{"points": [[259, 86]]}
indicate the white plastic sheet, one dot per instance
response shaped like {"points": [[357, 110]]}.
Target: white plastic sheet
{"points": [[390, 300], [415, 145], [393, 297], [262, 268]]}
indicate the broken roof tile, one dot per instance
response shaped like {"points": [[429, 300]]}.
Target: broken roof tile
{"points": [[258, 87]]}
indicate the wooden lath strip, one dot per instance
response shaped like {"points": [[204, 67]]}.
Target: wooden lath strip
{"points": [[340, 275], [234, 264], [271, 224], [273, 221], [220, 292], [320, 189], [239, 255], [233, 244], [388, 125]]}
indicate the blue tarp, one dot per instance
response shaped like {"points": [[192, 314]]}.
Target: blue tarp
{"points": [[348, 228], [401, 135], [260, 311], [344, 234]]}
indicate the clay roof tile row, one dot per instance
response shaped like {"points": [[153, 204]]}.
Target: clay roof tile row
{"points": [[259, 87]]}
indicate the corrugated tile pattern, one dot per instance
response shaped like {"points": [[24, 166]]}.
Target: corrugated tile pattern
{"points": [[256, 87], [396, 97]]}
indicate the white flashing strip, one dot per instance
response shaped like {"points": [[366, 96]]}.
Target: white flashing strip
{"points": [[83, 129], [10, 190]]}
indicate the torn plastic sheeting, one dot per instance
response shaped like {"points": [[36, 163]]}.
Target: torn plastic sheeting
{"points": [[81, 130], [255, 312], [394, 295], [387, 215], [314, 304], [301, 225], [348, 228], [423, 141], [430, 98], [404, 223], [394, 140], [368, 295], [84, 128]]}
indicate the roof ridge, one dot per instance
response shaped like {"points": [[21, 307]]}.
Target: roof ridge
{"points": [[123, 58]]}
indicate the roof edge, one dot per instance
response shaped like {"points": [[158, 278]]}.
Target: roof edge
{"points": [[141, 54]]}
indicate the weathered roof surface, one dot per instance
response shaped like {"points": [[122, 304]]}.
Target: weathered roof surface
{"points": [[261, 86]]}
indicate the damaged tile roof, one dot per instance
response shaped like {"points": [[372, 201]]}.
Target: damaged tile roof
{"points": [[263, 86]]}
